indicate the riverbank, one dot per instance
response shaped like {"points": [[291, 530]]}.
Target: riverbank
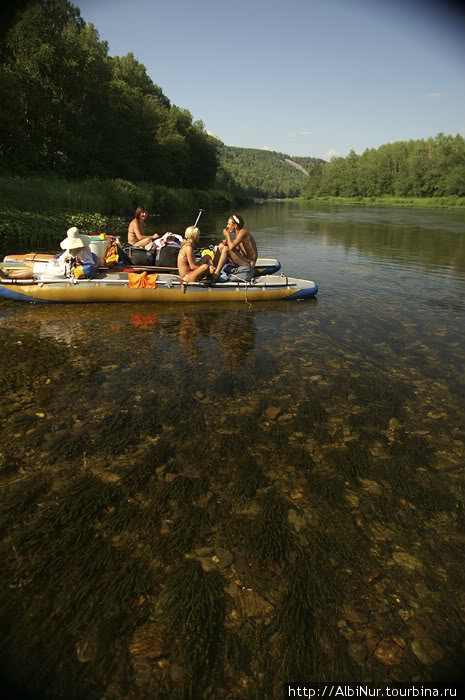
{"points": [[394, 202], [36, 210]]}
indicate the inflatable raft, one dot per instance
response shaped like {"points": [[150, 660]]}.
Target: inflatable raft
{"points": [[120, 287], [32, 277]]}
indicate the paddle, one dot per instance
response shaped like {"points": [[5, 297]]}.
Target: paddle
{"points": [[197, 219]]}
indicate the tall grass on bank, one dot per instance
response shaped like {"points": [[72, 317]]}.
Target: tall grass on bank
{"points": [[450, 202], [34, 210], [115, 197]]}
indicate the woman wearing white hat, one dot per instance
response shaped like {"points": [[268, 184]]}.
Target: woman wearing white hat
{"points": [[77, 245]]}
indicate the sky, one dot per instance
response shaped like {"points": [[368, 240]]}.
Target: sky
{"points": [[302, 77]]}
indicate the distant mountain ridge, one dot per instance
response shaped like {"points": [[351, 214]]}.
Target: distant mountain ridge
{"points": [[262, 173]]}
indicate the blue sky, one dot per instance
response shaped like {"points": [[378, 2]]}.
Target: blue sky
{"points": [[303, 77]]}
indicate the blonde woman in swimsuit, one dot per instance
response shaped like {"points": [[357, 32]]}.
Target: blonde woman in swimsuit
{"points": [[136, 235], [187, 268]]}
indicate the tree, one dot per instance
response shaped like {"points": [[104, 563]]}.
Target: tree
{"points": [[312, 184], [69, 108], [134, 74], [58, 65], [9, 13]]}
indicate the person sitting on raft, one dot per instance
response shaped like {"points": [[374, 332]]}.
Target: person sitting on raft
{"points": [[136, 235], [241, 250], [187, 268], [77, 246]]}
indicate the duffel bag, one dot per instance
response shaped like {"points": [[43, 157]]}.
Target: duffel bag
{"points": [[168, 256], [139, 256]]}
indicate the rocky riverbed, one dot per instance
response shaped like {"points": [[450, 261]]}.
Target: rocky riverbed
{"points": [[188, 510]]}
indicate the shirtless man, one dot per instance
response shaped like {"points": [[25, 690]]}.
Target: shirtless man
{"points": [[241, 250]]}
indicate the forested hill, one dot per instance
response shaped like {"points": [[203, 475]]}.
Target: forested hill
{"points": [[262, 173], [418, 168], [70, 109]]}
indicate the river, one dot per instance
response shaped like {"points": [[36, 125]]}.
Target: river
{"points": [[208, 501]]}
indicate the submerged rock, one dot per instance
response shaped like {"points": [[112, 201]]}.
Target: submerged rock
{"points": [[427, 651], [223, 557], [380, 532], [296, 520], [371, 486], [407, 560], [357, 652], [354, 616], [388, 652], [285, 417], [86, 650], [249, 603], [149, 641], [352, 498], [272, 412]]}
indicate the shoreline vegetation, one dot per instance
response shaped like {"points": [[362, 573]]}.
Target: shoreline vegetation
{"points": [[54, 204], [449, 202]]}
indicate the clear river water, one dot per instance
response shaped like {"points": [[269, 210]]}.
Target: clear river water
{"points": [[207, 501]]}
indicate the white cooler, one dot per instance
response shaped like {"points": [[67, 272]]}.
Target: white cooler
{"points": [[100, 246]]}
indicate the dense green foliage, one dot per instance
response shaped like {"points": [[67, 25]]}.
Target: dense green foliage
{"points": [[112, 197], [54, 204], [431, 168], [26, 229], [261, 173], [450, 202], [69, 108]]}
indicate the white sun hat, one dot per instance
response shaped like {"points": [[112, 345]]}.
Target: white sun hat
{"points": [[74, 239]]}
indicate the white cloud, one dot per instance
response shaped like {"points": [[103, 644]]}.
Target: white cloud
{"points": [[331, 153], [434, 94], [266, 148]]}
